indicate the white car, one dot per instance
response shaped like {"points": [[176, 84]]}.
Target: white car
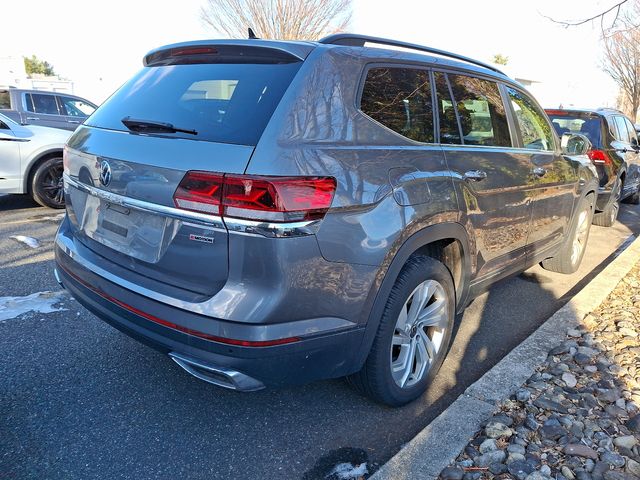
{"points": [[31, 161]]}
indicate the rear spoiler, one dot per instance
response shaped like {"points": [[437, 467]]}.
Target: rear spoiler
{"points": [[228, 51]]}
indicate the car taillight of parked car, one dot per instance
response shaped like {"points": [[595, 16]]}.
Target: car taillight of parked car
{"points": [[251, 197], [598, 156]]}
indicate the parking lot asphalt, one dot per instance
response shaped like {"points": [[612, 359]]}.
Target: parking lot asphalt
{"points": [[80, 400]]}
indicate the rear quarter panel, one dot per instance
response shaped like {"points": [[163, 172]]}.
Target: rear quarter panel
{"points": [[318, 130]]}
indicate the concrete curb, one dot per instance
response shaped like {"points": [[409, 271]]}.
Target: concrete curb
{"points": [[438, 444]]}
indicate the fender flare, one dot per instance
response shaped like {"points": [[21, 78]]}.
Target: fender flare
{"points": [[34, 160], [378, 297]]}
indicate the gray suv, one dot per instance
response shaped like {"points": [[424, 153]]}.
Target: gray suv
{"points": [[47, 109], [271, 213]]}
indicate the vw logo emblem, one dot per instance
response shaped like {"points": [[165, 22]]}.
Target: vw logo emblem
{"points": [[105, 173]]}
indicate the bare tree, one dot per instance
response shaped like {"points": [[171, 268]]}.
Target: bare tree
{"points": [[277, 19], [622, 58], [613, 11]]}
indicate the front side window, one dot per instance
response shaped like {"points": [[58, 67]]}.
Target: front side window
{"points": [[534, 127], [481, 112], [39, 103], [76, 108], [3, 126], [400, 99]]}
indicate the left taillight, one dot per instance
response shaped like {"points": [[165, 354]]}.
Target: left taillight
{"points": [[264, 198]]}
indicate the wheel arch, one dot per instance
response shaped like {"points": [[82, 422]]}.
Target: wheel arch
{"points": [[33, 164], [447, 243]]}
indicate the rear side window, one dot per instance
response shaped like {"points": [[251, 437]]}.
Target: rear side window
{"points": [[222, 102], [5, 101], [588, 126], [633, 135], [480, 111], [449, 131], [534, 128], [400, 99], [622, 130], [41, 103]]}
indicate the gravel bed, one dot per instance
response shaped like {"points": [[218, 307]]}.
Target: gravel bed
{"points": [[578, 416]]}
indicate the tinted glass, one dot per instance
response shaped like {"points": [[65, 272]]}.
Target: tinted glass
{"points": [[622, 129], [76, 108], [229, 103], [534, 128], [573, 124], [3, 126], [633, 135], [481, 111], [40, 103], [449, 131], [400, 99], [5, 101]]}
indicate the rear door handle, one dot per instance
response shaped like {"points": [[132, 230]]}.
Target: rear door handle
{"points": [[73, 121], [475, 175], [539, 171], [33, 118]]}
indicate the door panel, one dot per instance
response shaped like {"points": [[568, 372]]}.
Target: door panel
{"points": [[552, 178], [10, 167], [493, 178], [498, 207], [42, 109]]}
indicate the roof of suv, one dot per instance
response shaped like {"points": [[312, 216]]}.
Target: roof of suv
{"points": [[301, 49]]}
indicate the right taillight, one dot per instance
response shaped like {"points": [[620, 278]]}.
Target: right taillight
{"points": [[264, 198], [597, 156]]}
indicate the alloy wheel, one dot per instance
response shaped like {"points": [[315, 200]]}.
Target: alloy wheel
{"points": [[419, 333], [52, 184]]}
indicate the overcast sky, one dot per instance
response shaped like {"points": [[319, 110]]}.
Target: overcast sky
{"points": [[100, 44]]}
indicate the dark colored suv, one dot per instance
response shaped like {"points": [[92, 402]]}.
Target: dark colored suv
{"points": [[615, 154], [271, 213]]}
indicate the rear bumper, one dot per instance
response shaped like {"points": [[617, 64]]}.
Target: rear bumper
{"points": [[311, 357]]}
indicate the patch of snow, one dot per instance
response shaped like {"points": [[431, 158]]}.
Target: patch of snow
{"points": [[43, 302], [53, 218], [29, 241], [347, 471]]}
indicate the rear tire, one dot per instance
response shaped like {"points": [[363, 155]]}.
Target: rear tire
{"points": [[569, 257], [46, 183], [607, 217], [410, 344]]}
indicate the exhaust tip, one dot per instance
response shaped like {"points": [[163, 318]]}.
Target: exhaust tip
{"points": [[220, 376]]}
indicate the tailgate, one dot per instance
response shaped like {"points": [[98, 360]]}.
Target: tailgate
{"points": [[129, 218]]}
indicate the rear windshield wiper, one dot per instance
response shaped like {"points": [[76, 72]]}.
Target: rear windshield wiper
{"points": [[151, 126]]}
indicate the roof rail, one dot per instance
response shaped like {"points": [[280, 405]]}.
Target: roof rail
{"points": [[354, 40]]}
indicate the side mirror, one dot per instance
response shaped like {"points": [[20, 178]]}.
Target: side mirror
{"points": [[575, 144]]}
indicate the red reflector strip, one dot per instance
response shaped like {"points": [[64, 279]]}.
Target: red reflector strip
{"points": [[180, 328]]}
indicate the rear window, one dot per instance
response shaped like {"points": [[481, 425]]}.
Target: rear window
{"points": [[587, 126], [228, 103]]}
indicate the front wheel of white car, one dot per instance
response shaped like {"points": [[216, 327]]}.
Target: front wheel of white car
{"points": [[46, 186]]}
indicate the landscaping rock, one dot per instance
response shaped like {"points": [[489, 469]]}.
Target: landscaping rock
{"points": [[579, 450]]}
